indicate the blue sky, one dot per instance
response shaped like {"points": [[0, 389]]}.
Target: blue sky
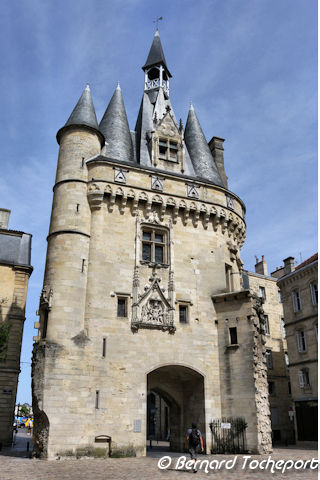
{"points": [[249, 67]]}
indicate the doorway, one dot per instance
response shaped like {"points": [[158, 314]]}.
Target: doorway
{"points": [[175, 400]]}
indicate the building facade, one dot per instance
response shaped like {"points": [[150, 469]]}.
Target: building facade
{"points": [[143, 295], [299, 291], [265, 286], [15, 271]]}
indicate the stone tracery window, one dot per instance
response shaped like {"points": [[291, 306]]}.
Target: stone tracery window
{"points": [[154, 245]]}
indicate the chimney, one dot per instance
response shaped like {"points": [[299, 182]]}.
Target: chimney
{"points": [[288, 265], [216, 148], [4, 218], [261, 267]]}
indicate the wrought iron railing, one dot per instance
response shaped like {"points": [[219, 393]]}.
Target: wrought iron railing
{"points": [[228, 435]]}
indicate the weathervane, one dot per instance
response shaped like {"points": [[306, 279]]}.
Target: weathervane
{"points": [[157, 21]]}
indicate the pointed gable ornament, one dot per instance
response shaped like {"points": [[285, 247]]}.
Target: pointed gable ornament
{"points": [[157, 183], [120, 175]]}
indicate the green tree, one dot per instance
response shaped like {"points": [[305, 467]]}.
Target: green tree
{"points": [[24, 411]]}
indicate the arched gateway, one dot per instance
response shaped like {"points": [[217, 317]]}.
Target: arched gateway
{"points": [[175, 399]]}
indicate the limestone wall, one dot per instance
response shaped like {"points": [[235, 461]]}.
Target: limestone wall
{"points": [[13, 292]]}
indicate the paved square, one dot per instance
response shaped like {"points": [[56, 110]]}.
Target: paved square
{"points": [[144, 468]]}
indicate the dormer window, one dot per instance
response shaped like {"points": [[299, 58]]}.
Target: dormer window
{"points": [[168, 150]]}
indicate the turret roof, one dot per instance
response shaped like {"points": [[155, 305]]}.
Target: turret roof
{"points": [[199, 150], [115, 128], [84, 112], [156, 55]]}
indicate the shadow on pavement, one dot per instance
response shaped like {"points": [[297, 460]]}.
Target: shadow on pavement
{"points": [[21, 446]]}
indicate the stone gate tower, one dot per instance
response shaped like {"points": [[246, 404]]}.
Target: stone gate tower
{"points": [[142, 291]]}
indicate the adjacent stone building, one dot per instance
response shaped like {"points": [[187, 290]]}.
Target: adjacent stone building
{"points": [[15, 270], [299, 291], [143, 294]]}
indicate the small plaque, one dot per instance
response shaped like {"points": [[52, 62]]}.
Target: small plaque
{"points": [[137, 426], [225, 425]]}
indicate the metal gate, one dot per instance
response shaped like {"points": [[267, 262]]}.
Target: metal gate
{"points": [[228, 435]]}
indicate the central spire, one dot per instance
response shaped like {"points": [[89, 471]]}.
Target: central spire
{"points": [[156, 71]]}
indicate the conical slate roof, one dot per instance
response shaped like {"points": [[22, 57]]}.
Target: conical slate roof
{"points": [[156, 55], [115, 128], [199, 150], [82, 114]]}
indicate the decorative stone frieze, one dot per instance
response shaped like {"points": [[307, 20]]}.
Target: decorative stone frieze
{"points": [[198, 212]]}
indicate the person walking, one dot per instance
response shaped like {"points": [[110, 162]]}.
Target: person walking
{"points": [[194, 442]]}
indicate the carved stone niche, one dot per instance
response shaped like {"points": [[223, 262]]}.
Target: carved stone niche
{"points": [[46, 297], [153, 309]]}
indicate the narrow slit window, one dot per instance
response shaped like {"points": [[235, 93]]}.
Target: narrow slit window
{"points": [[97, 399], [104, 347], [83, 265], [45, 323], [233, 335], [266, 325], [228, 277], [269, 359]]}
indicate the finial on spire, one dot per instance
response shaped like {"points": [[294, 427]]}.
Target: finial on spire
{"points": [[118, 85], [157, 21]]}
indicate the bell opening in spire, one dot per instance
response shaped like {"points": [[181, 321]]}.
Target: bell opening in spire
{"points": [[156, 77]]}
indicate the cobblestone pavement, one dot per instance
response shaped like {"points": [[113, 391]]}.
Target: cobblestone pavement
{"points": [[145, 468]]}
